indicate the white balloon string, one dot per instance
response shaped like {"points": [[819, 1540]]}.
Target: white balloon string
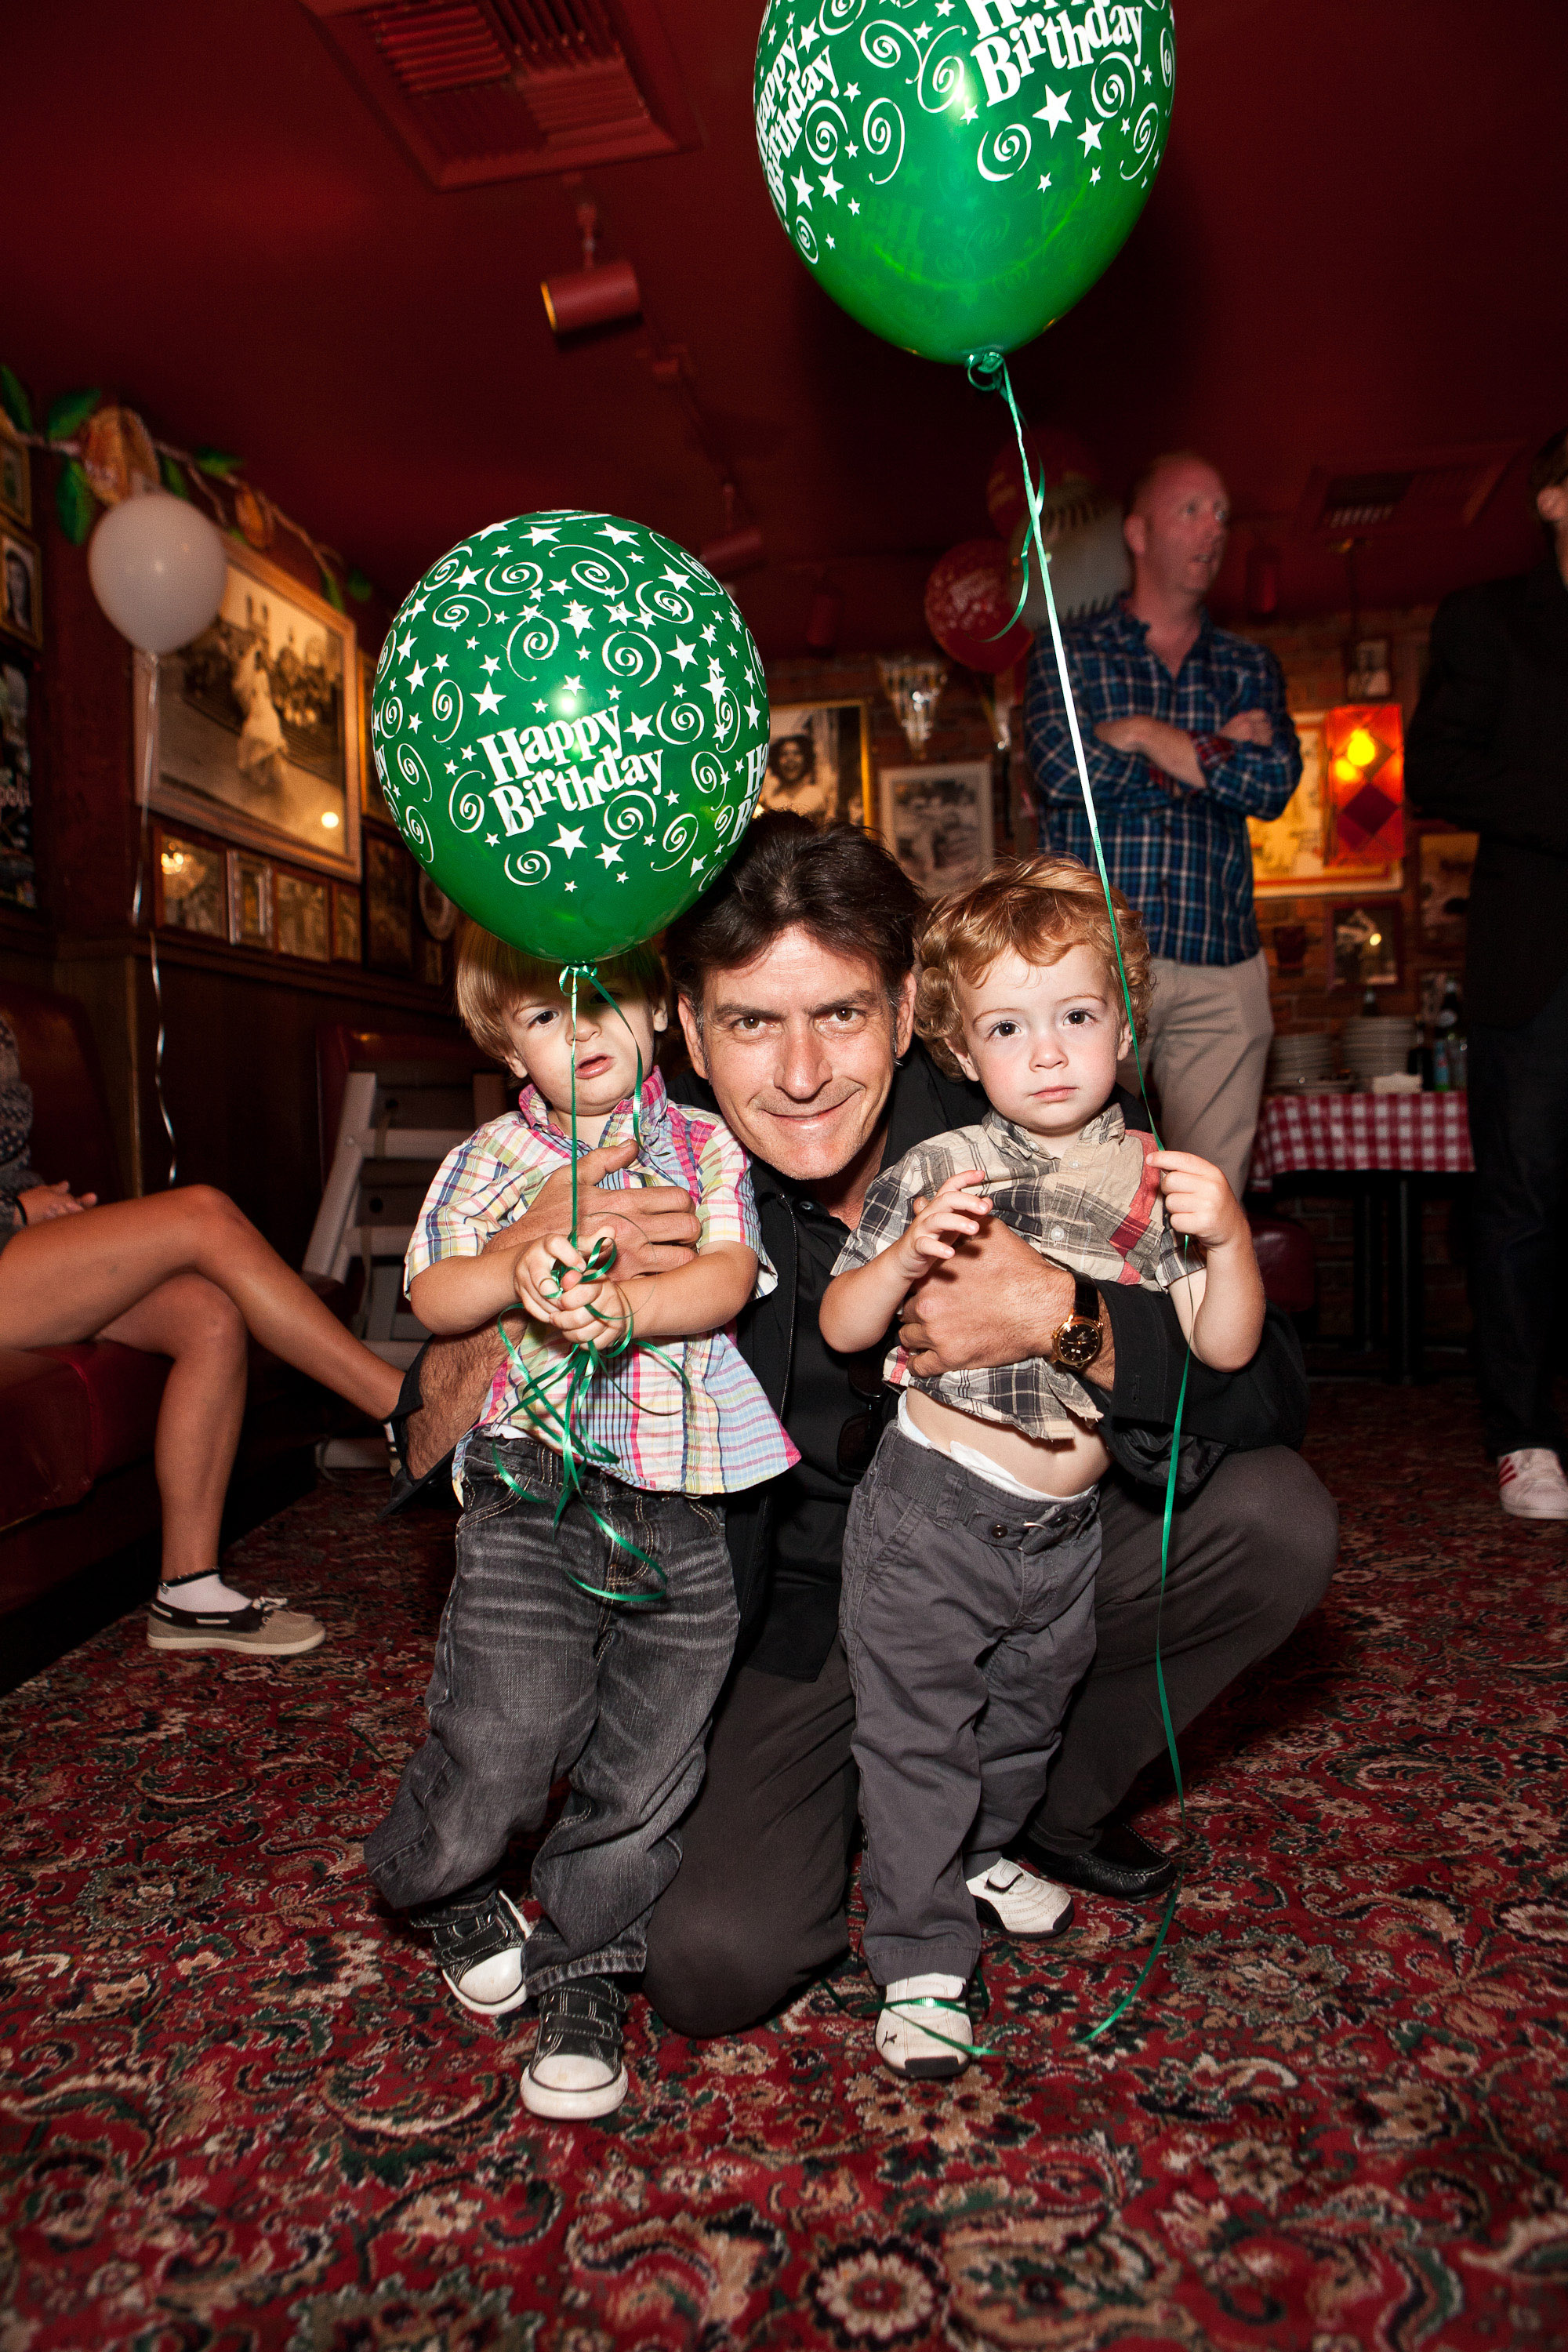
{"points": [[147, 667]]}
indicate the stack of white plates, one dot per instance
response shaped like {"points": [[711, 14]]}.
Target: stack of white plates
{"points": [[1374, 1045], [1301, 1065]]}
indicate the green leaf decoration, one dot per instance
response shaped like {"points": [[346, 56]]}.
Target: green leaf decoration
{"points": [[334, 593], [14, 400], [74, 503], [220, 463], [173, 475], [71, 409], [360, 588]]}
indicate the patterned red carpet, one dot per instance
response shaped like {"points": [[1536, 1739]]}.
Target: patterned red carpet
{"points": [[238, 2114]]}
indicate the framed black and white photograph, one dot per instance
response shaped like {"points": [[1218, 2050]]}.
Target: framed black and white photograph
{"points": [[21, 587], [300, 915], [259, 722], [937, 822], [1366, 943], [345, 925], [819, 762], [16, 474]]}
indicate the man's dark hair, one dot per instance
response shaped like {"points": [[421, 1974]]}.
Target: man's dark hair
{"points": [[1547, 468], [841, 887]]}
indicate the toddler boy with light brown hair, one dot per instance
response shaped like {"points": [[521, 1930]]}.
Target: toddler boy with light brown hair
{"points": [[973, 1542]]}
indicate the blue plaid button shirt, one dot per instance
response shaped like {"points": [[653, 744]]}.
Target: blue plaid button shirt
{"points": [[1181, 856]]}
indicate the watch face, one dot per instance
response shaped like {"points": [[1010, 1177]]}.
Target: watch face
{"points": [[1078, 1344]]}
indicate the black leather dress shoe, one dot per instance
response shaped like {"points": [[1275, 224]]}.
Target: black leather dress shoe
{"points": [[1122, 1865]]}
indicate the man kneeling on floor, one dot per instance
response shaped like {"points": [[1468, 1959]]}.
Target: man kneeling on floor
{"points": [[795, 981]]}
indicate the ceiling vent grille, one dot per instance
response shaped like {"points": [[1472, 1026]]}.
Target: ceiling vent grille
{"points": [[1439, 489], [481, 91]]}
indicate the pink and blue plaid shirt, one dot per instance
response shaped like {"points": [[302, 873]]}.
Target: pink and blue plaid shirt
{"points": [[712, 1431]]}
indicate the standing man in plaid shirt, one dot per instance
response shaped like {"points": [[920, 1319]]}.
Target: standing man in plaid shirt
{"points": [[1186, 735]]}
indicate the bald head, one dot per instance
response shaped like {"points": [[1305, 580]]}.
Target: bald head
{"points": [[1177, 528]]}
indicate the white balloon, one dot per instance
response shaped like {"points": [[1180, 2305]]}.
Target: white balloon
{"points": [[157, 567]]}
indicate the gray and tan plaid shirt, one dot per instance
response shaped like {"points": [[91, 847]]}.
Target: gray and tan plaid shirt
{"points": [[1094, 1208]]}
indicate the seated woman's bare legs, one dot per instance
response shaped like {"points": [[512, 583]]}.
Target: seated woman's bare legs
{"points": [[73, 1278], [190, 1320]]}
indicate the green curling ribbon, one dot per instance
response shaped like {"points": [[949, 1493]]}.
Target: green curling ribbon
{"points": [[930, 2002], [574, 1377], [988, 372]]}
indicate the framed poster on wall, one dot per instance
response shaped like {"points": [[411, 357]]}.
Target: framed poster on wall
{"points": [[819, 762], [937, 821], [1307, 851], [259, 722]]}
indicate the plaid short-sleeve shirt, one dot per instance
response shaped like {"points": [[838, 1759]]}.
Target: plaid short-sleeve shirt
{"points": [[709, 1432], [1094, 1207]]}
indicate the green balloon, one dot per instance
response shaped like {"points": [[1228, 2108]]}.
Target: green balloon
{"points": [[570, 727], [957, 173]]}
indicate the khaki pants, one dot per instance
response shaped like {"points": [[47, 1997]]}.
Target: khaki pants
{"points": [[1206, 1048]]}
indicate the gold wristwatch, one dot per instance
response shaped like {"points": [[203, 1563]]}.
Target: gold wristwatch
{"points": [[1077, 1342]]}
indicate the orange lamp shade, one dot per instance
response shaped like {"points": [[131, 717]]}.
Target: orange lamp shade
{"points": [[1364, 747]]}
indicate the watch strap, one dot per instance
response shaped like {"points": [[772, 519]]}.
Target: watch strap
{"points": [[1084, 1298]]}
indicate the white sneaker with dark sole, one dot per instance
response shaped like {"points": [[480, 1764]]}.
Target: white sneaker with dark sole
{"points": [[268, 1629], [480, 1953], [1020, 1904], [575, 2072], [1531, 1483], [903, 2041]]}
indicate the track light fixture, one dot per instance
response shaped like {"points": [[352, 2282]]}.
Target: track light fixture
{"points": [[596, 295]]}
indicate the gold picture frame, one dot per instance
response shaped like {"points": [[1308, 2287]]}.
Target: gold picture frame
{"points": [[250, 900], [258, 725]]}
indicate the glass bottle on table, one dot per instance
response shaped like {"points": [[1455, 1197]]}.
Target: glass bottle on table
{"points": [[1450, 1033]]}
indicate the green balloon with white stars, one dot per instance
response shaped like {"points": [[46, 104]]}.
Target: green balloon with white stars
{"points": [[957, 174], [570, 727]]}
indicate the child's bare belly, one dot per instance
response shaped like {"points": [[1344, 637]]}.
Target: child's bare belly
{"points": [[1052, 1465]]}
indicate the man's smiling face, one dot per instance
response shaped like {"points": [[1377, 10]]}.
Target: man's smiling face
{"points": [[799, 1048]]}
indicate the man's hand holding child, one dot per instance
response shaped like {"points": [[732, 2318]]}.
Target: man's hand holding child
{"points": [[593, 1309]]}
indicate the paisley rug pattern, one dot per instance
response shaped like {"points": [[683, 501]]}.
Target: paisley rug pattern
{"points": [[238, 2111]]}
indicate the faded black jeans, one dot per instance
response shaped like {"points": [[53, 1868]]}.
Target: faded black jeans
{"points": [[535, 1680], [1519, 1129]]}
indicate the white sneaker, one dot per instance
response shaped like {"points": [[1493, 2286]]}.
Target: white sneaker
{"points": [[903, 2041], [1015, 1900], [1530, 1484], [480, 1954]]}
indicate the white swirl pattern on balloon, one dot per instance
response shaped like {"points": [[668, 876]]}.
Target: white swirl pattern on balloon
{"points": [[446, 709], [1142, 156], [465, 806], [1009, 149], [882, 134]]}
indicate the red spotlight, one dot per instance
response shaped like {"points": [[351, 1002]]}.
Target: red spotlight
{"points": [[591, 297]]}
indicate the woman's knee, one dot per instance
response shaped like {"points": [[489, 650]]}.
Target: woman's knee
{"points": [[203, 1320], [210, 1215]]}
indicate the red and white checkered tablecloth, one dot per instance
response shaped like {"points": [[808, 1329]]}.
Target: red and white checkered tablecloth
{"points": [[1424, 1135]]}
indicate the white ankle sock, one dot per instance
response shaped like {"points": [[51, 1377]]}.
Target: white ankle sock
{"points": [[207, 1593]]}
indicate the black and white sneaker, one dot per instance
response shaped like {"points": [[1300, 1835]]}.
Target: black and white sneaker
{"points": [[479, 1952], [575, 2071]]}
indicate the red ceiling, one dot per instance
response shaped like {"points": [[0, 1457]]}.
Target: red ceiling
{"points": [[1357, 247]]}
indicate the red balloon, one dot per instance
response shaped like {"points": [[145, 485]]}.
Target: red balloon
{"points": [[969, 603], [1060, 455]]}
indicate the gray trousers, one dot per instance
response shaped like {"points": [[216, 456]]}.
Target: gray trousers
{"points": [[967, 1620]]}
